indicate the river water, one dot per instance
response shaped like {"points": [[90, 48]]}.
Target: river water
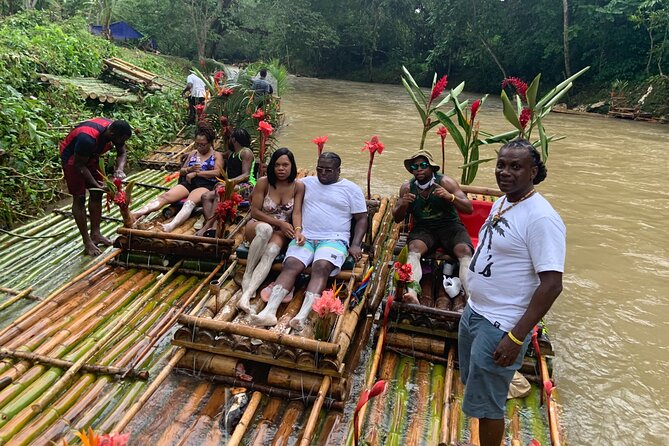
{"points": [[608, 181]]}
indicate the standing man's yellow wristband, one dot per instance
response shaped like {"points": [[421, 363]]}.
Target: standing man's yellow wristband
{"points": [[515, 339]]}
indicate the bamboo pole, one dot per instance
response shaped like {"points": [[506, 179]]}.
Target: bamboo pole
{"points": [[55, 293], [55, 389], [15, 292], [327, 348], [267, 418], [11, 301], [436, 403], [445, 315], [416, 429], [445, 437], [309, 429], [550, 404], [415, 342], [171, 236], [179, 353], [243, 424], [55, 362]]}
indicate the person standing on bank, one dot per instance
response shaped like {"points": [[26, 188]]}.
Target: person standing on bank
{"points": [[515, 276], [80, 158], [195, 86], [433, 200]]}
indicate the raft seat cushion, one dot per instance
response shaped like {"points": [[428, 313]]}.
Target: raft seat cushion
{"points": [[243, 253]]}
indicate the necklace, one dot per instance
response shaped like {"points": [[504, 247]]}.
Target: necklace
{"points": [[497, 217]]}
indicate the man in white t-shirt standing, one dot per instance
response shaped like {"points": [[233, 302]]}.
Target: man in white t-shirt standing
{"points": [[322, 233], [514, 278], [196, 87]]}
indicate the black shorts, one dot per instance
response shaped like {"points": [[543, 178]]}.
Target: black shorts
{"points": [[198, 182], [446, 236]]}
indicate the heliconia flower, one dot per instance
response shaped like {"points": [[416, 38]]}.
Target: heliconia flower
{"points": [[119, 198], [114, 440], [259, 114], [442, 132], [327, 304], [373, 145], [226, 92], [475, 108], [118, 183], [265, 128], [518, 84], [525, 116], [378, 388], [438, 88], [218, 76], [320, 142]]}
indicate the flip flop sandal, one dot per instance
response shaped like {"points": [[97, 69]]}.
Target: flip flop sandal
{"points": [[267, 291]]}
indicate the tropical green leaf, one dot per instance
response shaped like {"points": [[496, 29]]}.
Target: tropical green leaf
{"points": [[502, 137], [557, 97], [476, 162], [531, 93], [452, 94], [414, 84], [403, 256], [559, 88], [544, 141], [454, 132], [509, 112], [419, 107]]}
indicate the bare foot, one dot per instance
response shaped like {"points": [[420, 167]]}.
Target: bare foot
{"points": [[263, 320], [411, 298], [100, 239], [91, 249], [165, 227]]}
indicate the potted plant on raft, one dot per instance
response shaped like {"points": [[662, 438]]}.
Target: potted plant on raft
{"points": [[328, 306], [227, 206], [403, 274]]}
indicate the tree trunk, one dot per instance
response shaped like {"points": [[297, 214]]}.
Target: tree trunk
{"points": [[494, 58], [565, 37]]}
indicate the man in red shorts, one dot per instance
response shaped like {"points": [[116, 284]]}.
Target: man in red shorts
{"points": [[79, 154]]}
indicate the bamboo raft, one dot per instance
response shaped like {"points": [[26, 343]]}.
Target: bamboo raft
{"points": [[136, 75], [168, 157], [92, 88]]}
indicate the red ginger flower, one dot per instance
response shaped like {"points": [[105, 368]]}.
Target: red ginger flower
{"points": [[525, 117], [199, 108], [320, 142], [518, 84], [265, 128], [259, 114], [438, 88], [226, 92], [120, 198], [118, 183], [475, 108], [404, 271], [328, 304], [218, 76], [442, 132], [373, 146]]}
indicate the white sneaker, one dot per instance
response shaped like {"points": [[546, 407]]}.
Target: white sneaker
{"points": [[199, 223], [452, 286]]}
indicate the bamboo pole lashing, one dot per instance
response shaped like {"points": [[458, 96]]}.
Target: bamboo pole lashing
{"points": [[244, 423], [308, 432], [262, 334], [305, 382]]}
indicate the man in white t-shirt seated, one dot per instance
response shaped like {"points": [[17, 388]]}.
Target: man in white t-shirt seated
{"points": [[196, 87], [322, 232]]}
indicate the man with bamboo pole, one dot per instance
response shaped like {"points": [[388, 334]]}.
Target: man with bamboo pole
{"points": [[433, 200], [322, 225], [80, 154], [515, 276]]}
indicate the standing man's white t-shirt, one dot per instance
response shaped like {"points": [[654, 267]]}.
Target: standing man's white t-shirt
{"points": [[198, 86], [328, 209]]}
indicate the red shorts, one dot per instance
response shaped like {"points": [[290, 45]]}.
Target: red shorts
{"points": [[76, 184]]}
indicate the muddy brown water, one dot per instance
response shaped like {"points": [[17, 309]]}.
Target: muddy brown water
{"points": [[608, 181]]}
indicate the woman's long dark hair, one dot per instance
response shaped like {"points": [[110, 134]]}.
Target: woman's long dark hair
{"points": [[271, 175]]}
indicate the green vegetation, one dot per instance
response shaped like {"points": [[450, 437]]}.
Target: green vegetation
{"points": [[34, 117]]}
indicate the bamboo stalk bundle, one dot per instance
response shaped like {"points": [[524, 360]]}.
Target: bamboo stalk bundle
{"points": [[186, 409], [282, 327], [267, 420], [243, 424], [447, 408], [305, 382], [310, 427], [226, 314], [203, 425], [264, 335], [414, 436], [415, 342], [287, 424], [398, 416], [209, 363], [55, 389], [436, 404]]}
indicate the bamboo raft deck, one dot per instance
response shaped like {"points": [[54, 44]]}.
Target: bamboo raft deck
{"points": [[168, 156], [77, 351], [92, 88]]}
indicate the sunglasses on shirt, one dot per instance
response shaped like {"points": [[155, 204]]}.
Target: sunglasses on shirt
{"points": [[423, 165]]}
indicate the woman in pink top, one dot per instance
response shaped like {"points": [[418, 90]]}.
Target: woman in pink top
{"points": [[274, 198]]}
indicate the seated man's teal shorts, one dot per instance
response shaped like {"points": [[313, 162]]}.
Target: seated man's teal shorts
{"points": [[334, 251], [486, 383]]}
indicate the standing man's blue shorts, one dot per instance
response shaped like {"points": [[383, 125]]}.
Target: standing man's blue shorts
{"points": [[486, 383], [334, 251]]}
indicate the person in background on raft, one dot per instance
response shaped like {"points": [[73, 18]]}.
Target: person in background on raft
{"points": [[515, 276], [197, 176], [433, 200], [270, 228], [322, 233], [195, 88], [239, 167], [80, 158]]}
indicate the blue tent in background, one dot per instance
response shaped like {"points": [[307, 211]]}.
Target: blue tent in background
{"points": [[119, 31]]}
